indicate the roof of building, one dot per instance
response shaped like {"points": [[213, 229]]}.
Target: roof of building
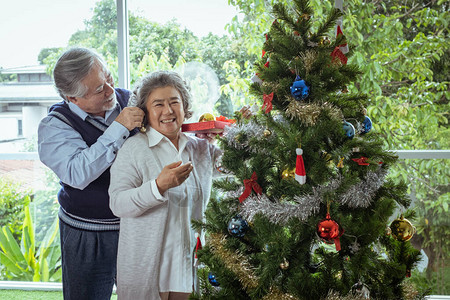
{"points": [[37, 69], [29, 92]]}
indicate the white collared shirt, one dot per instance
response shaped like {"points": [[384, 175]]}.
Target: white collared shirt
{"points": [[176, 257]]}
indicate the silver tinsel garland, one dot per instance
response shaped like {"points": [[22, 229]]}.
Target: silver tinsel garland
{"points": [[251, 129], [302, 207], [278, 213], [235, 194], [361, 194]]}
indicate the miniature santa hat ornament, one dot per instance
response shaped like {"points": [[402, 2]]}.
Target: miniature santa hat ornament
{"points": [[300, 174]]}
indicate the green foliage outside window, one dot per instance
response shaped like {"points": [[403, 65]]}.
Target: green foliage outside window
{"points": [[155, 46], [28, 260], [13, 200]]}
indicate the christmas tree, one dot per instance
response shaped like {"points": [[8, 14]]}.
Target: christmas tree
{"points": [[307, 206]]}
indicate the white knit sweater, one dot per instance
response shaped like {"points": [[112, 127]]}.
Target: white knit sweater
{"points": [[147, 221]]}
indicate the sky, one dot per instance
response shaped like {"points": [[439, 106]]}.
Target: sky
{"points": [[27, 26]]}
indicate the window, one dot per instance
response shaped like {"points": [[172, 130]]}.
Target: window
{"points": [[19, 128]]}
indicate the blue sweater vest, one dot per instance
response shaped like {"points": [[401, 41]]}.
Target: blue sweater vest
{"points": [[93, 201]]}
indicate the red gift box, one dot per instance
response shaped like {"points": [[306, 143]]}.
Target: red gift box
{"points": [[205, 127]]}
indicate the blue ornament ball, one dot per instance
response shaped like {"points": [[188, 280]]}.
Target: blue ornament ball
{"points": [[237, 226], [349, 129], [299, 89], [212, 279], [367, 125]]}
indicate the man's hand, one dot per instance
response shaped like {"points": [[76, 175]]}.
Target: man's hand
{"points": [[131, 117], [173, 175]]}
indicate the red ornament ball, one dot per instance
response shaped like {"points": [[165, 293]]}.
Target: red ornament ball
{"points": [[329, 230]]}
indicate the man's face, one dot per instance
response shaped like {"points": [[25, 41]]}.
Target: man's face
{"points": [[100, 95]]}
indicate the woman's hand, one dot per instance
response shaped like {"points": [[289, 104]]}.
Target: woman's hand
{"points": [[173, 175], [246, 111]]}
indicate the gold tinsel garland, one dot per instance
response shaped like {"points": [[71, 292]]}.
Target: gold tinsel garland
{"points": [[275, 293], [235, 262], [308, 113], [333, 295], [270, 87], [308, 58]]}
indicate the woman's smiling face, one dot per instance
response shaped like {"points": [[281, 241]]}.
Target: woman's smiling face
{"points": [[165, 111]]}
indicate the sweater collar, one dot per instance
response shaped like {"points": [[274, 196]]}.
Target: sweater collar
{"points": [[83, 115]]}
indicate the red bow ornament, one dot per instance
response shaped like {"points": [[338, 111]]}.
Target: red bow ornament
{"points": [[267, 105], [250, 184], [362, 161]]}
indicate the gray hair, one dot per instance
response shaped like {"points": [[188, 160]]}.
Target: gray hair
{"points": [[161, 79], [71, 68]]}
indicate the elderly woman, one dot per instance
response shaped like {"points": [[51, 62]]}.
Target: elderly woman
{"points": [[160, 180]]}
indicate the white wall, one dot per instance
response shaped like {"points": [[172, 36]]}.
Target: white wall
{"points": [[8, 127], [31, 116]]}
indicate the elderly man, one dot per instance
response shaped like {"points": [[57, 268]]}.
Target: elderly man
{"points": [[79, 140]]}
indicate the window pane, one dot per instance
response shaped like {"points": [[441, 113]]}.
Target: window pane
{"points": [[428, 181], [199, 16], [190, 38], [33, 33]]}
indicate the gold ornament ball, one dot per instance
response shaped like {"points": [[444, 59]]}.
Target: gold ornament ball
{"points": [[288, 173], [402, 229], [267, 132], [206, 117], [324, 41]]}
